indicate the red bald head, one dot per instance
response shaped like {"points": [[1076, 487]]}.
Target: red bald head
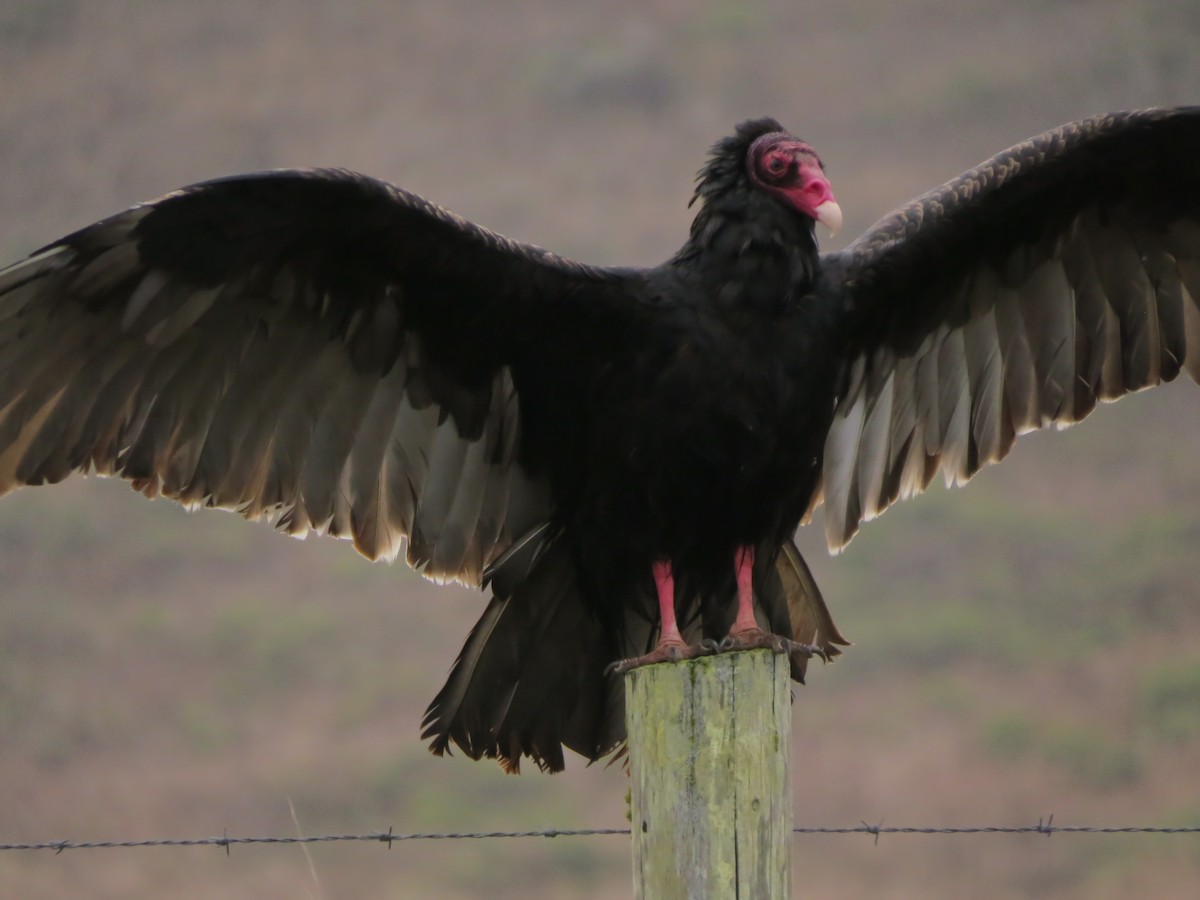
{"points": [[790, 169]]}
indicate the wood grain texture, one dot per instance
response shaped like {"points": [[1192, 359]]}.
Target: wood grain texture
{"points": [[708, 756]]}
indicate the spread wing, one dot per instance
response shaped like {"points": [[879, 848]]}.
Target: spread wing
{"points": [[1062, 272], [315, 347]]}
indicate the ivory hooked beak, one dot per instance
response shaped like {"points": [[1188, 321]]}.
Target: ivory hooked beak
{"points": [[829, 214]]}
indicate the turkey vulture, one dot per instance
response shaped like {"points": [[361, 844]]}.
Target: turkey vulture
{"points": [[622, 455]]}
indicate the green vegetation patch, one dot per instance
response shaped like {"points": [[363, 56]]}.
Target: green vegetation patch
{"points": [[271, 648], [1011, 736], [1168, 699], [35, 21], [1090, 755]]}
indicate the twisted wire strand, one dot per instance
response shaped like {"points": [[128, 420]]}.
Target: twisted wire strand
{"points": [[1043, 827]]}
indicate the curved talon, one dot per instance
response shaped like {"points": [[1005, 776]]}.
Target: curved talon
{"points": [[746, 640], [663, 652], [753, 639], [812, 650], [806, 650]]}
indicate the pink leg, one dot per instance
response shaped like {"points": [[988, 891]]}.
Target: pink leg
{"points": [[670, 646], [743, 561], [664, 581], [745, 633]]}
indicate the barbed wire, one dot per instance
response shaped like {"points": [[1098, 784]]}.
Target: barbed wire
{"points": [[386, 837], [1044, 827]]}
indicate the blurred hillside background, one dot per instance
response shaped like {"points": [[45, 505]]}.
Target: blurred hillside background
{"points": [[1027, 645]]}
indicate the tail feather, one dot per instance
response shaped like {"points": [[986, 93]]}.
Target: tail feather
{"points": [[530, 678], [803, 614]]}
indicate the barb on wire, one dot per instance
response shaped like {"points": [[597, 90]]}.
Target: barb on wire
{"points": [[1043, 826]]}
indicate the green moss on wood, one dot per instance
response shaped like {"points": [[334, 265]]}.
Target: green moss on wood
{"points": [[708, 753]]}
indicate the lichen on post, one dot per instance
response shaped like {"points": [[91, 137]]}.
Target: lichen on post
{"points": [[711, 805]]}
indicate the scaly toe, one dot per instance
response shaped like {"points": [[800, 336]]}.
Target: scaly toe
{"points": [[756, 638], [668, 652]]}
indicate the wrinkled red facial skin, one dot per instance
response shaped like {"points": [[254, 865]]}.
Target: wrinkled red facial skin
{"points": [[783, 165]]}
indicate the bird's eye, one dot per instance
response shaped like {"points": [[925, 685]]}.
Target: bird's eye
{"points": [[776, 165]]}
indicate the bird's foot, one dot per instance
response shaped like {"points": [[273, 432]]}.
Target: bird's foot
{"points": [[664, 651], [756, 638]]}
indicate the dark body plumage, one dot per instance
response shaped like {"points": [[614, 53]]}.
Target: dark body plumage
{"points": [[340, 355]]}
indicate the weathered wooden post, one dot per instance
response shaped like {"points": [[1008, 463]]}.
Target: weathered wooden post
{"points": [[708, 757]]}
